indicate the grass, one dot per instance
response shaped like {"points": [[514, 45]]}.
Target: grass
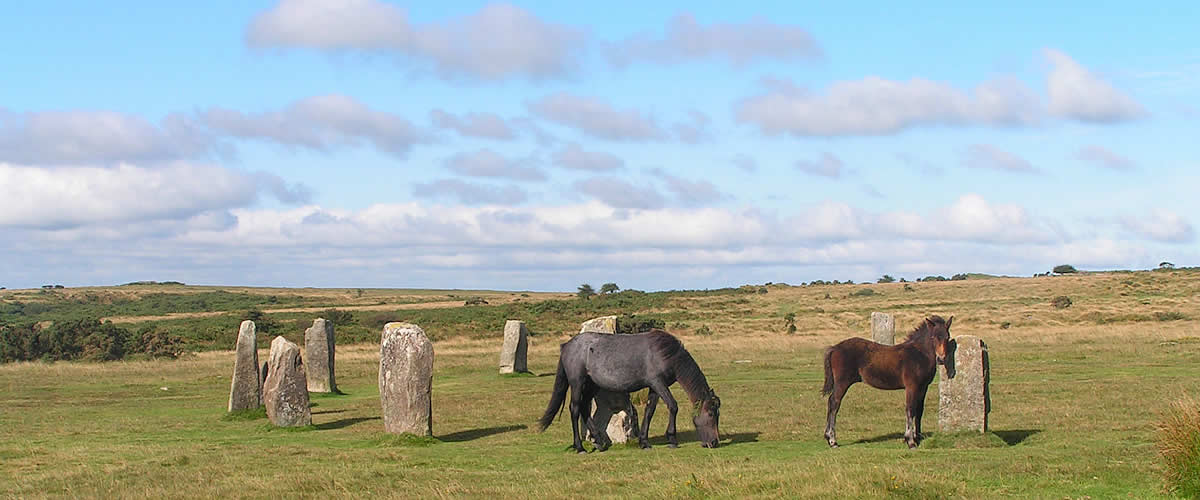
{"points": [[1179, 446], [1076, 408]]}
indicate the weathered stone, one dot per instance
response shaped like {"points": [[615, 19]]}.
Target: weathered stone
{"points": [[516, 346], [245, 392], [964, 400], [603, 324], [285, 392], [406, 379], [883, 328], [318, 354], [608, 407]]}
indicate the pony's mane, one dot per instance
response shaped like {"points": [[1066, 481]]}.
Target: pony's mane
{"points": [[925, 329], [687, 372]]}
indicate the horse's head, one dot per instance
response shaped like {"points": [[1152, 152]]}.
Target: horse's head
{"points": [[941, 337], [707, 420]]}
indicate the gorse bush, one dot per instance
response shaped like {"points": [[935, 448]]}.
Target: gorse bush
{"points": [[87, 339], [1179, 447]]}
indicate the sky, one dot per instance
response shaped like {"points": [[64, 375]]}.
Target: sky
{"points": [[542, 145]]}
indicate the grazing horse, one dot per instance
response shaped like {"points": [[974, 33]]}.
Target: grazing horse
{"points": [[908, 365], [591, 362]]}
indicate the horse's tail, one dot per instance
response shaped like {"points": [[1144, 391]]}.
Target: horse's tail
{"points": [[828, 372], [556, 398]]}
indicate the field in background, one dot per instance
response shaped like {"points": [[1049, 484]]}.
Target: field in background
{"points": [[1076, 392]]}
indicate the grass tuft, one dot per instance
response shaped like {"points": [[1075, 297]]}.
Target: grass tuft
{"points": [[249, 414], [963, 440], [1179, 447]]}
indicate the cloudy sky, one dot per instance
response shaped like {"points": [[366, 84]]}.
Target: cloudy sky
{"points": [[364, 143]]}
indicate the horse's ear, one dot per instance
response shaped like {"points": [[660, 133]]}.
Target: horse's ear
{"points": [[951, 320]]}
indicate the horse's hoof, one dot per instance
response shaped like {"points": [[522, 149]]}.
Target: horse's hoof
{"points": [[833, 445], [581, 452]]}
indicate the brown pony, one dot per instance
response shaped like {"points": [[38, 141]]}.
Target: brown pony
{"points": [[909, 365]]}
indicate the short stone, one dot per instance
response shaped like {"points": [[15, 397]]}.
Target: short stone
{"points": [[609, 407], [319, 355], [883, 328], [514, 352], [285, 392], [603, 324], [964, 399], [245, 391], [406, 379]]}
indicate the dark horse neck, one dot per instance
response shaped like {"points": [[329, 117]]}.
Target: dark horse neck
{"points": [[922, 339], [689, 376]]}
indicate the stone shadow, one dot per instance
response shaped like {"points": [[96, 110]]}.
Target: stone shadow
{"points": [[1015, 437], [473, 434], [345, 422], [691, 437]]}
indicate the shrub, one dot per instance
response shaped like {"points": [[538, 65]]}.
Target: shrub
{"points": [[1179, 447], [473, 301], [703, 330], [865, 292], [1061, 302], [908, 287], [762, 290], [959, 277], [1064, 269], [339, 317], [885, 279], [157, 343], [1169, 316]]}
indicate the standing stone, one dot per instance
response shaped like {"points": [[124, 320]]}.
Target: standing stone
{"points": [[609, 406], [603, 324], [883, 328], [285, 392], [964, 400], [245, 392], [515, 348], [406, 379], [318, 349]]}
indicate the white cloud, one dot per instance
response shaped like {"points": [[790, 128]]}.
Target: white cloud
{"points": [[1160, 225], [483, 125], [695, 130], [991, 157], [488, 163], [691, 192], [739, 43], [618, 193], [100, 137], [470, 193], [877, 106], [497, 42], [1077, 93], [76, 196], [827, 165], [1102, 157], [321, 123], [597, 118], [574, 157]]}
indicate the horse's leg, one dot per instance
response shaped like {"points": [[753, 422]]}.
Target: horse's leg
{"points": [[651, 404], [673, 407], [918, 411], [835, 404], [576, 397], [631, 411], [913, 396]]}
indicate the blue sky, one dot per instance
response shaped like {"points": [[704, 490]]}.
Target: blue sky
{"points": [[543, 145]]}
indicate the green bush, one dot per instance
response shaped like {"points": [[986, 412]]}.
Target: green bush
{"points": [[703, 330], [865, 292], [1064, 269], [1061, 302]]}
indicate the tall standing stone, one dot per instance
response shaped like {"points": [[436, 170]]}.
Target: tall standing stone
{"points": [[964, 400], [603, 324], [406, 379], [515, 349], [319, 350], [285, 392], [883, 328], [245, 392]]}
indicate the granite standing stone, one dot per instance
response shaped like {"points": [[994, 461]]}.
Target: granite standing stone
{"points": [[245, 392], [609, 406], [964, 400], [406, 379], [285, 392], [318, 351], [883, 328], [603, 324], [516, 346]]}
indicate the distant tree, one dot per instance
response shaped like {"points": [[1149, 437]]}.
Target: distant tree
{"points": [[585, 291], [886, 279], [902, 280], [789, 320], [1064, 269], [1166, 265], [608, 288], [958, 277]]}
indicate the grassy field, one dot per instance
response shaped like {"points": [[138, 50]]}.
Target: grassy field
{"points": [[1076, 394]]}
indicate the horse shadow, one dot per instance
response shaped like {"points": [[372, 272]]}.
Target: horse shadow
{"points": [[473, 434], [345, 422], [1010, 437], [691, 436]]}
